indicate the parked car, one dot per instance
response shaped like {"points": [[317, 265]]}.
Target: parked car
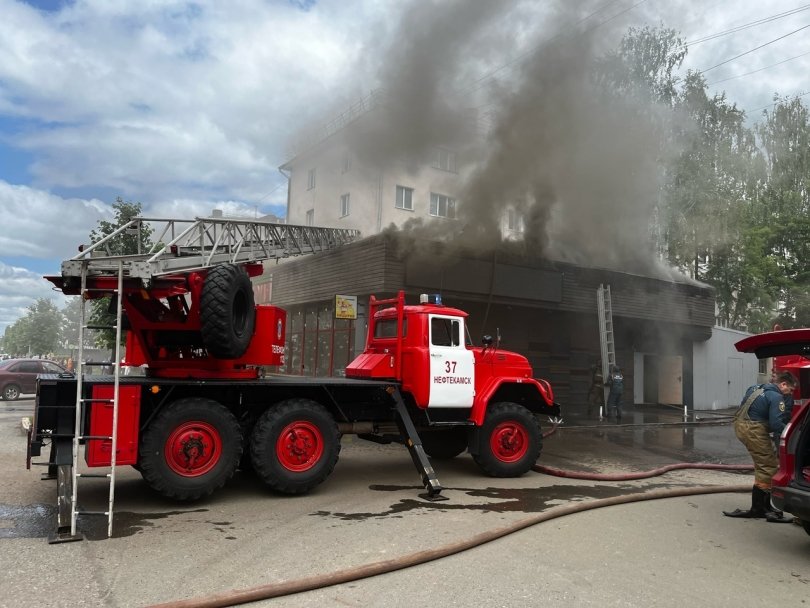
{"points": [[791, 484], [18, 376]]}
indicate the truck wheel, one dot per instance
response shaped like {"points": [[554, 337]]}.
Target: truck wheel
{"points": [[511, 441], [11, 392], [444, 445], [190, 449], [227, 312], [295, 446]]}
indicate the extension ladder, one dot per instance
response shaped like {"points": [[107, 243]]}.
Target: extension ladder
{"points": [[606, 343]]}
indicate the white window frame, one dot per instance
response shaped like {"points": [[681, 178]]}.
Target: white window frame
{"points": [[442, 205], [444, 160], [345, 199], [400, 202], [311, 179], [310, 220]]}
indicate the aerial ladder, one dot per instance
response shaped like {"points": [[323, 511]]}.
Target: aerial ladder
{"points": [[606, 339], [104, 269]]}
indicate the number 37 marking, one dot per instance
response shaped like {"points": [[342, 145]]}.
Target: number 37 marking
{"points": [[450, 367]]}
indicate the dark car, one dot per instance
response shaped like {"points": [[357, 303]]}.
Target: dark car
{"points": [[19, 376], [791, 484]]}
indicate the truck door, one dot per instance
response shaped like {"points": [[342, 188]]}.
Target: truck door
{"points": [[452, 380]]}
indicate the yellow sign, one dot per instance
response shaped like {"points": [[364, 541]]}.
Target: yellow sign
{"points": [[345, 307]]}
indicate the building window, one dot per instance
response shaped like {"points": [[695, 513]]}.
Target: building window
{"points": [[311, 217], [404, 198], [442, 206], [514, 220], [347, 162], [444, 159], [344, 205], [311, 179]]}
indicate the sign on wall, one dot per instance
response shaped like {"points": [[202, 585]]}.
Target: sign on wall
{"points": [[345, 307]]}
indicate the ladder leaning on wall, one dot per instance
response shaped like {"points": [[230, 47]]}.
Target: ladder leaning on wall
{"points": [[606, 343]]}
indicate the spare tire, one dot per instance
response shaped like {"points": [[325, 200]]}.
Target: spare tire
{"points": [[227, 312]]}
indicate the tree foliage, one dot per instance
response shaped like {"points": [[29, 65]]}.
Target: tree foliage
{"points": [[734, 207], [36, 333], [103, 309]]}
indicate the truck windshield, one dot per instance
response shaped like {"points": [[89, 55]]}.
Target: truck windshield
{"points": [[387, 328]]}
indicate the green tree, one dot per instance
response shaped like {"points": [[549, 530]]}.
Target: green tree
{"points": [[37, 332], [103, 309], [644, 65], [785, 136], [70, 325]]}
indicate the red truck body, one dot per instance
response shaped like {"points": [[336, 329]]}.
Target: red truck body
{"points": [[203, 409]]}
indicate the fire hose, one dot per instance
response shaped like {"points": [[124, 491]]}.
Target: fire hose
{"points": [[310, 583]]}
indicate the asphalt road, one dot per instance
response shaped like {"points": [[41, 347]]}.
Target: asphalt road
{"points": [[670, 552]]}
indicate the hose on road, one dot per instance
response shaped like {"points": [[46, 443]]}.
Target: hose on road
{"points": [[310, 583], [641, 474]]}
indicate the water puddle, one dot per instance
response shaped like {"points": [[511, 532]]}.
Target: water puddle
{"points": [[497, 500], [39, 521]]}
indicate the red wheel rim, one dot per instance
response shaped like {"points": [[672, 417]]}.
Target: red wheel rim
{"points": [[299, 446], [509, 441], [193, 449]]}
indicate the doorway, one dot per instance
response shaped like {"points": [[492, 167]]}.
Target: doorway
{"points": [[663, 379]]}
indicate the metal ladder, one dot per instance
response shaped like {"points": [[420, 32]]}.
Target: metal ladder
{"points": [[189, 245], [606, 343], [81, 403]]}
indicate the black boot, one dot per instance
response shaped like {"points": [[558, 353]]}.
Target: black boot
{"points": [[775, 516], [758, 506]]}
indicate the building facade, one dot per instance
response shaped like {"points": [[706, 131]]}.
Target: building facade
{"points": [[544, 310]]}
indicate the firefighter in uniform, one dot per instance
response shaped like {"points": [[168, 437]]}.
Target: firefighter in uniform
{"points": [[760, 414], [615, 381], [596, 394]]}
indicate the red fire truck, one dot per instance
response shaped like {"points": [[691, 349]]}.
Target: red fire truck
{"points": [[204, 408]]}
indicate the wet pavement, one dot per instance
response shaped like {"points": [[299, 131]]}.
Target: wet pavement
{"points": [[370, 510]]}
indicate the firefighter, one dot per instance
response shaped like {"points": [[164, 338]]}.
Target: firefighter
{"points": [[596, 394], [760, 414], [614, 401]]}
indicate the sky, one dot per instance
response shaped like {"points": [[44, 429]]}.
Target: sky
{"points": [[187, 107]]}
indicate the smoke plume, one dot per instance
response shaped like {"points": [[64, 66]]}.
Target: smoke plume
{"points": [[511, 87]]}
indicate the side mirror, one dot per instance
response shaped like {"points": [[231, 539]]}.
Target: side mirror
{"points": [[486, 340]]}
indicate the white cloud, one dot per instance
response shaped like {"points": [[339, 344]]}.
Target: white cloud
{"points": [[19, 288], [168, 98], [40, 225]]}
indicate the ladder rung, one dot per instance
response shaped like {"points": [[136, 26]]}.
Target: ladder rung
{"points": [[98, 363], [41, 464], [98, 400], [104, 513], [100, 290], [99, 326], [96, 437], [93, 475]]}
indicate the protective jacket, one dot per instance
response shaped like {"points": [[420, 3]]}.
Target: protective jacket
{"points": [[769, 407], [616, 382]]}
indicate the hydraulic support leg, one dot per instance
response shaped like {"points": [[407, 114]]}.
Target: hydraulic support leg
{"points": [[414, 444]]}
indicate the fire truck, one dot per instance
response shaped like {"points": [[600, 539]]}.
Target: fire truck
{"points": [[203, 406]]}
